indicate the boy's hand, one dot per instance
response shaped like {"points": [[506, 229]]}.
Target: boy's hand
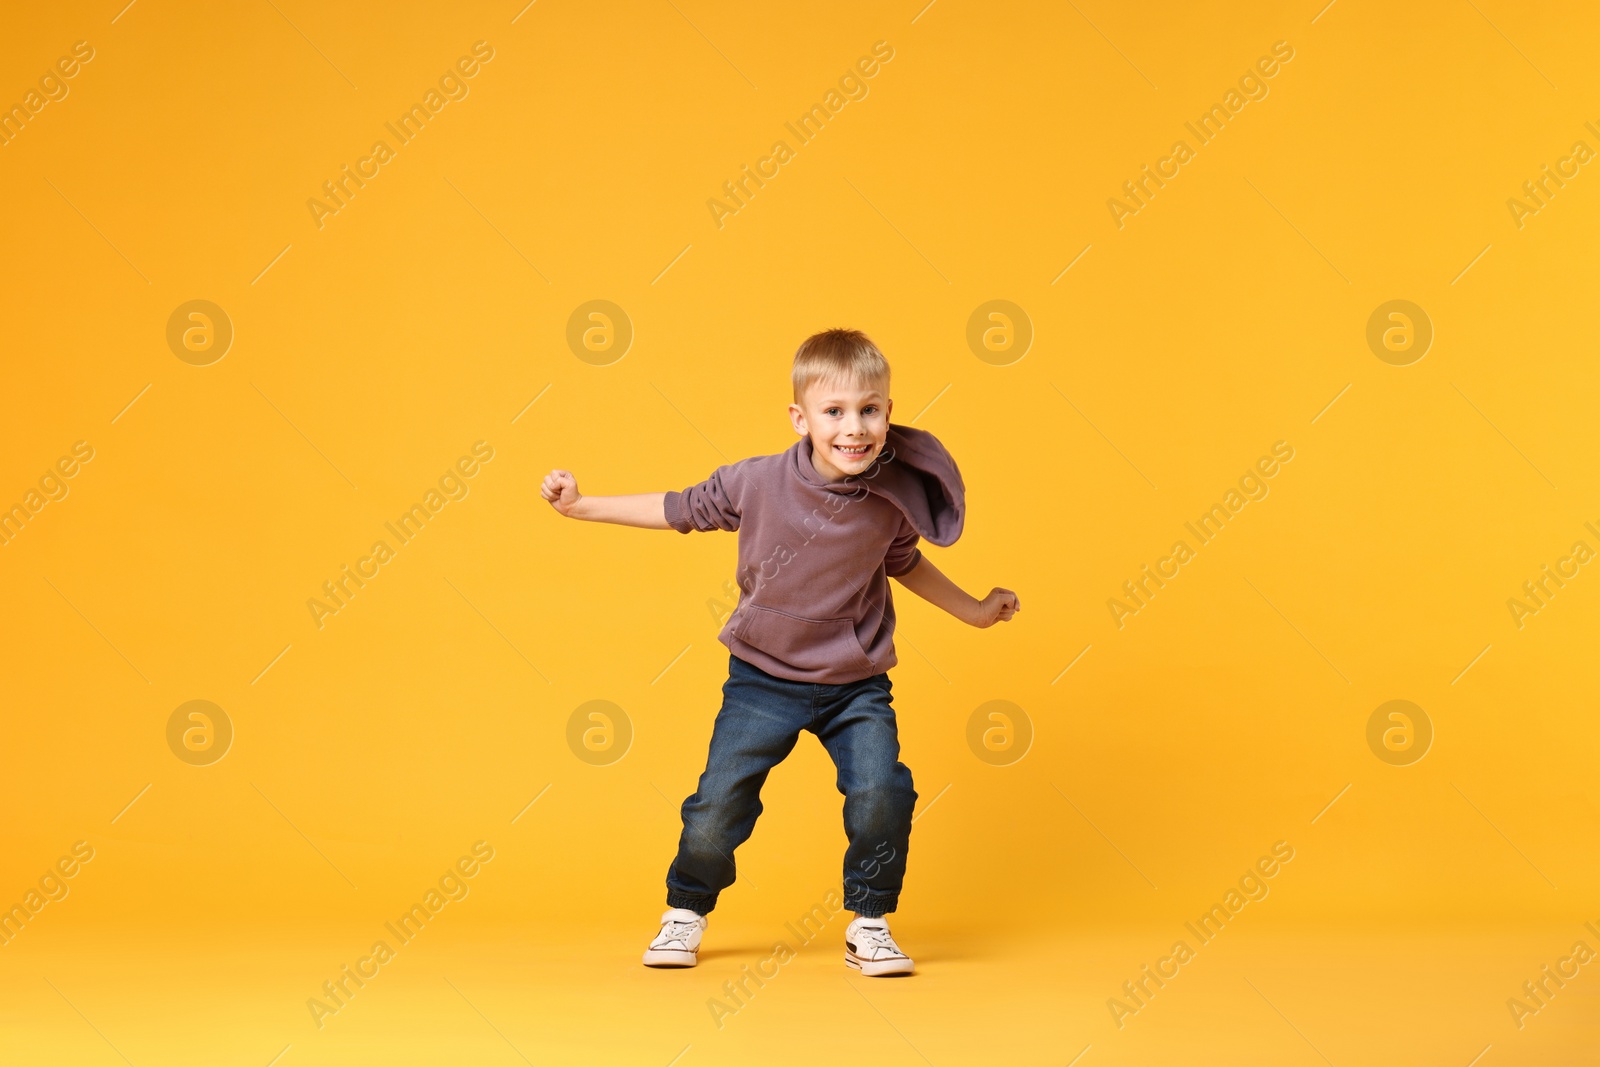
{"points": [[561, 489], [998, 606]]}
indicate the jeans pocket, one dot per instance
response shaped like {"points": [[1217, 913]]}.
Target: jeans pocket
{"points": [[805, 644]]}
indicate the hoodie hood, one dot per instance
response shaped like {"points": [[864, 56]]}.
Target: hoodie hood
{"points": [[915, 473]]}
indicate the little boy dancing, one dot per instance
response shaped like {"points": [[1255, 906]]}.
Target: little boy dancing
{"points": [[822, 527]]}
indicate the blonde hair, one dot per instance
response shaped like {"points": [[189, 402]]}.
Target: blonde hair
{"points": [[848, 355]]}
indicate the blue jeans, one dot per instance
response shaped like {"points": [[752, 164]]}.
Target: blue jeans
{"points": [[760, 721]]}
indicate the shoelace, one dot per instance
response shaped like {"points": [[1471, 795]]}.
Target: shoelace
{"points": [[677, 931], [876, 937]]}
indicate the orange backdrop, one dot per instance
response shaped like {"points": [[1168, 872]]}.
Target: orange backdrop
{"points": [[1306, 292]]}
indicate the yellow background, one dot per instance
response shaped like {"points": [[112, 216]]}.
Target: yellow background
{"points": [[424, 716]]}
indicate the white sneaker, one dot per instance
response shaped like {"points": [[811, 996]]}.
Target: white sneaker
{"points": [[678, 943], [869, 948]]}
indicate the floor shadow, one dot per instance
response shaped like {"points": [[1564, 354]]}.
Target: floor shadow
{"points": [[745, 952]]}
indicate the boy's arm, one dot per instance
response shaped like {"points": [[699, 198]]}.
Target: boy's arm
{"points": [[930, 583], [639, 509], [646, 510]]}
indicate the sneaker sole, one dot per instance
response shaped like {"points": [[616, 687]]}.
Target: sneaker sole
{"points": [[878, 968], [657, 957]]}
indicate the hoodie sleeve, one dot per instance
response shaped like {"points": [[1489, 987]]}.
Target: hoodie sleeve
{"points": [[903, 552], [711, 505]]}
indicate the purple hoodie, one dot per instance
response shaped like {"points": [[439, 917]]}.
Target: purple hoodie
{"points": [[815, 557]]}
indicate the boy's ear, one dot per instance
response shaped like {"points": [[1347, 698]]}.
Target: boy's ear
{"points": [[798, 419]]}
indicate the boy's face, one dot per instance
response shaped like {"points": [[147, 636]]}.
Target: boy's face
{"points": [[848, 423]]}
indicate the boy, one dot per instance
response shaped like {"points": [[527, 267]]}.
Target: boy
{"points": [[822, 527]]}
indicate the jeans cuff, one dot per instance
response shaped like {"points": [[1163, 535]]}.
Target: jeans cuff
{"points": [[871, 905], [701, 904]]}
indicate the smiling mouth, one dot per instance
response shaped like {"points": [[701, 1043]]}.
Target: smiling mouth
{"points": [[853, 452]]}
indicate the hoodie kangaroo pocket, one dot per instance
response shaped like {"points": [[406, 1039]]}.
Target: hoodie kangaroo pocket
{"points": [[805, 644]]}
